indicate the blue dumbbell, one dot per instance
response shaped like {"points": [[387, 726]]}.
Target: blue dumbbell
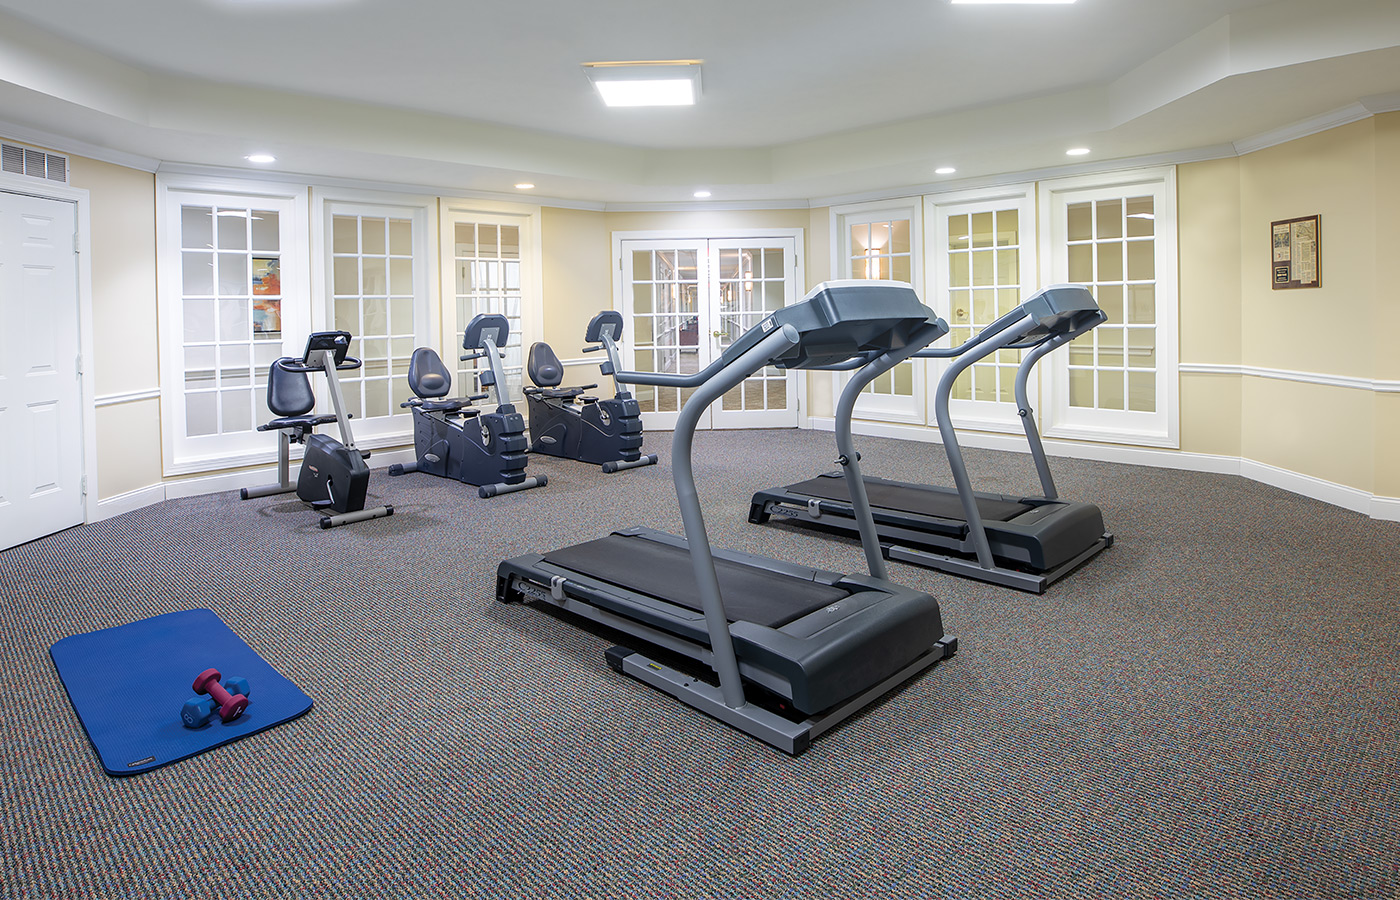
{"points": [[197, 711]]}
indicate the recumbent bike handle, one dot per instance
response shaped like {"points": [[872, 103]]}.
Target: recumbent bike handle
{"points": [[294, 366]]}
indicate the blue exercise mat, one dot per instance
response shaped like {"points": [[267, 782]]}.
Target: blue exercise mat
{"points": [[128, 683]]}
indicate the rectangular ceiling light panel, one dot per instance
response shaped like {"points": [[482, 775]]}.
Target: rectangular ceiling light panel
{"points": [[662, 83]]}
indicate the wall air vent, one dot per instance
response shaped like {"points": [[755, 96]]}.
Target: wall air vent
{"points": [[17, 160]]}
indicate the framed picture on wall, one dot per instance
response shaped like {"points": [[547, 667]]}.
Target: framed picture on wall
{"points": [[1297, 253], [267, 295]]}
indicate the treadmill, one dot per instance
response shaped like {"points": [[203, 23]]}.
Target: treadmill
{"points": [[1019, 542], [778, 650]]}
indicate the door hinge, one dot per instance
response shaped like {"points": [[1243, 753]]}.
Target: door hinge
{"points": [[78, 365], [82, 487], [77, 248]]}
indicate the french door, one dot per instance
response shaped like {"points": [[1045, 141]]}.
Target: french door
{"points": [[685, 302]]}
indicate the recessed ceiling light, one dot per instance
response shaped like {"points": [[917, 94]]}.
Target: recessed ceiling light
{"points": [[957, 2], [701, 195], [261, 158], [944, 170], [524, 186], [663, 82], [1077, 151]]}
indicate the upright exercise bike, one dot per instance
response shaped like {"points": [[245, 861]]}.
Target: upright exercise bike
{"points": [[606, 432], [453, 438], [334, 474]]}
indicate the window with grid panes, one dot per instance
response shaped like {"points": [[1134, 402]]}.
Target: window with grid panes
{"points": [[1116, 234], [372, 286], [1111, 248], [232, 274], [231, 294], [487, 264]]}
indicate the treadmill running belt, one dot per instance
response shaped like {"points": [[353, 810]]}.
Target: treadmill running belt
{"points": [[665, 572], [911, 498]]}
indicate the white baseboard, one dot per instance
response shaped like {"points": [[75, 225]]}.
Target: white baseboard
{"points": [[131, 500], [213, 484], [1328, 492], [1383, 508]]}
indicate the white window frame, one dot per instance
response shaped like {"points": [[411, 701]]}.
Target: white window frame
{"points": [[180, 454], [979, 415], [422, 210], [484, 212], [1156, 429], [882, 407]]}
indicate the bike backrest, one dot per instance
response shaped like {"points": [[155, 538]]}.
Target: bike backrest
{"points": [[485, 324], [289, 393], [543, 365], [609, 319], [427, 376]]}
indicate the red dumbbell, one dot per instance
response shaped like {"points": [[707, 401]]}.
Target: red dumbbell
{"points": [[231, 706]]}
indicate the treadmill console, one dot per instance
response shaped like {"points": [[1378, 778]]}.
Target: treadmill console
{"points": [[1062, 309], [838, 320]]}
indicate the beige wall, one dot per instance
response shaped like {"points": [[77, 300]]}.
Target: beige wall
{"points": [[1341, 329], [123, 260], [577, 279]]}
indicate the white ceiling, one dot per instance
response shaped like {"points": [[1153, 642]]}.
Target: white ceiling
{"points": [[801, 98]]}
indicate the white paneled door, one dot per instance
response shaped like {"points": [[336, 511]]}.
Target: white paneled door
{"points": [[41, 416]]}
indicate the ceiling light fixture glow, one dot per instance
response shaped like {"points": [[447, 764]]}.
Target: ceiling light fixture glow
{"points": [[944, 170], [524, 186], [665, 82], [1019, 2], [701, 195], [262, 158], [1077, 151]]}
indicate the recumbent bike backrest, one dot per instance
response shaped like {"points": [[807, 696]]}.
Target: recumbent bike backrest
{"points": [[543, 364], [289, 393], [427, 376]]}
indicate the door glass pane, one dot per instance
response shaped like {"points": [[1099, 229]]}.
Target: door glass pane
{"points": [[984, 254]]}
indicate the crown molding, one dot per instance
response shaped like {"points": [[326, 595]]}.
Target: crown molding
{"points": [[391, 187], [1098, 167], [708, 206], [1352, 112], [74, 147]]}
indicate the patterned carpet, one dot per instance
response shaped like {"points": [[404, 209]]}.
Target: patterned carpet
{"points": [[1208, 709]]}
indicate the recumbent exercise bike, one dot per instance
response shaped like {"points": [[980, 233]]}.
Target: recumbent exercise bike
{"points": [[454, 439], [334, 474], [606, 432]]}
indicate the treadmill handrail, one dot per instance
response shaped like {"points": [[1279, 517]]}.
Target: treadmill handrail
{"points": [[845, 443], [728, 374], [666, 379]]}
